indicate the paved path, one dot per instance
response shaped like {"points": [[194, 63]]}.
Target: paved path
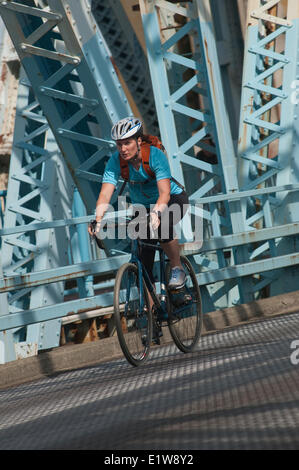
{"points": [[239, 390]]}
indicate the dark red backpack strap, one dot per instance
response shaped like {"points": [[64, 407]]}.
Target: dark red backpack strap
{"points": [[145, 154], [124, 169]]}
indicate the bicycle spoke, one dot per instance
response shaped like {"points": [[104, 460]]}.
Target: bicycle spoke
{"points": [[133, 322], [185, 317]]}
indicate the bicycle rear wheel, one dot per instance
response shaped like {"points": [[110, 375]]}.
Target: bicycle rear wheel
{"points": [[133, 323], [184, 310]]}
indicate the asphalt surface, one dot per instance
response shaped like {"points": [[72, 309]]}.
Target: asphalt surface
{"points": [[239, 390]]}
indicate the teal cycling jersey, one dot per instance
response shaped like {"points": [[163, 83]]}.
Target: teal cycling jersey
{"points": [[147, 193]]}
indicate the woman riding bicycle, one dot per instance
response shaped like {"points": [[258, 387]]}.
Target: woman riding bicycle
{"points": [[157, 193]]}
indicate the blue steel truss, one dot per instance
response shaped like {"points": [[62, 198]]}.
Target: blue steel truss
{"points": [[73, 81], [223, 213], [41, 183], [40, 189], [268, 142], [128, 56], [75, 87], [209, 120]]}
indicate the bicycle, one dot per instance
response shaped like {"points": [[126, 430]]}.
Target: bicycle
{"points": [[137, 326]]}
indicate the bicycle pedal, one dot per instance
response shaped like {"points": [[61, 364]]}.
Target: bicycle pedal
{"points": [[179, 290], [180, 298], [157, 333], [144, 340], [156, 341]]}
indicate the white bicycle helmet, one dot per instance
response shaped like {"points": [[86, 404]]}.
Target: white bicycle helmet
{"points": [[125, 128]]}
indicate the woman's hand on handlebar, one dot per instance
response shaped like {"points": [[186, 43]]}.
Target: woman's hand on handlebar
{"points": [[94, 228], [154, 220]]}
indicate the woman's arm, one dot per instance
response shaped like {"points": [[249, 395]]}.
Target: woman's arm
{"points": [[164, 194], [104, 200], [162, 201], [102, 204]]}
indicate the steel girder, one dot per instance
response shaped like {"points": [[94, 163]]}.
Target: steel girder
{"points": [[128, 55], [268, 134], [210, 126], [39, 190], [220, 191], [223, 212], [67, 73], [41, 183]]}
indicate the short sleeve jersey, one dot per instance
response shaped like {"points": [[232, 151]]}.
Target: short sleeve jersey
{"points": [[148, 193]]}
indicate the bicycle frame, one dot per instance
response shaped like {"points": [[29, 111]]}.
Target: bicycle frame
{"points": [[160, 304]]}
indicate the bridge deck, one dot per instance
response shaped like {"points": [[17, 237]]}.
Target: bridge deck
{"points": [[239, 390]]}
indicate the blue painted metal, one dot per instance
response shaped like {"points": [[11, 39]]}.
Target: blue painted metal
{"points": [[7, 351], [128, 56], [80, 246], [231, 216], [37, 176], [230, 48], [268, 124], [72, 91], [110, 266], [54, 76], [68, 84], [10, 283], [209, 119]]}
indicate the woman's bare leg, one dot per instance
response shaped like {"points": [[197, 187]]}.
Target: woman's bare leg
{"points": [[172, 250]]}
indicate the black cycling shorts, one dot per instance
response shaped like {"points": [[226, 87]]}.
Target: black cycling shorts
{"points": [[177, 208]]}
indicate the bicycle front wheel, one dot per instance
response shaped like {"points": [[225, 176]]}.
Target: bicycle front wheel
{"points": [[132, 320], [184, 310]]}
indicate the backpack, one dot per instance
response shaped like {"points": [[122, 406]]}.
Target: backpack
{"points": [[145, 154]]}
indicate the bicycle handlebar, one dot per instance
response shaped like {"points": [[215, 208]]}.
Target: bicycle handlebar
{"points": [[99, 242]]}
